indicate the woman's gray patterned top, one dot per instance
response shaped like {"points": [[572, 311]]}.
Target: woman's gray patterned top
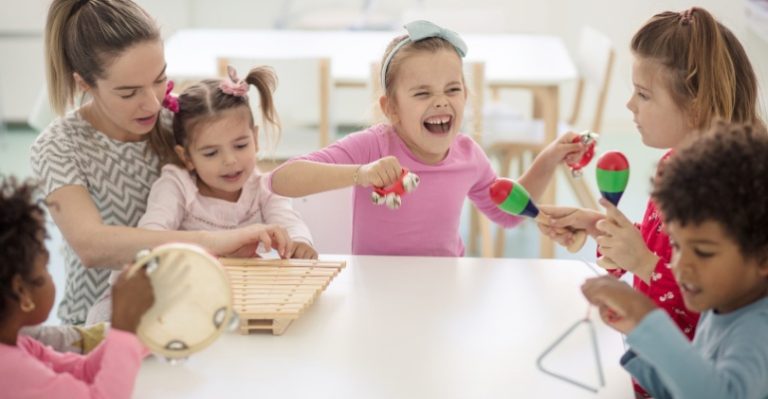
{"points": [[118, 176]]}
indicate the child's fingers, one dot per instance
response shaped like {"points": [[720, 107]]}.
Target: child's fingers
{"points": [[614, 213], [281, 241], [563, 237], [123, 273], [390, 176], [291, 250], [607, 263], [554, 211], [594, 287], [609, 316], [265, 239], [389, 170], [304, 251], [608, 227], [574, 150], [604, 241], [568, 221]]}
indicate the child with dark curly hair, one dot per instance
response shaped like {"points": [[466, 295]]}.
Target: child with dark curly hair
{"points": [[26, 298], [712, 196]]}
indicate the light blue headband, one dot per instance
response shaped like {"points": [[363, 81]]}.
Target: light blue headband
{"points": [[420, 30]]}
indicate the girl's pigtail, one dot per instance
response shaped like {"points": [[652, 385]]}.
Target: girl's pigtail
{"points": [[265, 81]]}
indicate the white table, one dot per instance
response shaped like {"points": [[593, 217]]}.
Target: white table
{"points": [[404, 327], [539, 63], [510, 59]]}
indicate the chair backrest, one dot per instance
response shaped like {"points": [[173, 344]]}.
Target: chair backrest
{"points": [[595, 61], [474, 80], [302, 100], [474, 77], [329, 218]]}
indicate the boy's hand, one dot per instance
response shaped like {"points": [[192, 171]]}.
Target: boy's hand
{"points": [[131, 298], [622, 243], [301, 250], [621, 307], [380, 173]]}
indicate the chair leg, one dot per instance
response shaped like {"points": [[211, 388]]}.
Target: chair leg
{"points": [[581, 190], [504, 167], [474, 230], [486, 249]]}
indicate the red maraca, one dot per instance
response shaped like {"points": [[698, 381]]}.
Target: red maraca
{"points": [[511, 197]]}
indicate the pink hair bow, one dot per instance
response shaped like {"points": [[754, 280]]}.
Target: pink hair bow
{"points": [[170, 101], [233, 86]]}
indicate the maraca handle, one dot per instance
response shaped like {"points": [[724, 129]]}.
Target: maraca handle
{"points": [[607, 263], [579, 238]]}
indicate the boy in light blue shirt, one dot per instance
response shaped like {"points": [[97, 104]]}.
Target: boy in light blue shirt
{"points": [[714, 197]]}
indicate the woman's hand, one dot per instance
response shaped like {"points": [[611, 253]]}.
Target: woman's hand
{"points": [[131, 298], [301, 250], [621, 242], [621, 307], [380, 173]]}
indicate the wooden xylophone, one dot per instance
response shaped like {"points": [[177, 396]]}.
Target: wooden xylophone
{"points": [[268, 294]]}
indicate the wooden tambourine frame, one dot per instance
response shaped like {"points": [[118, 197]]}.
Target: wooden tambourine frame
{"points": [[193, 300]]}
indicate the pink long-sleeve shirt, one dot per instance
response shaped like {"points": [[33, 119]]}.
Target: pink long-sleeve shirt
{"points": [[33, 370], [175, 203], [427, 222]]}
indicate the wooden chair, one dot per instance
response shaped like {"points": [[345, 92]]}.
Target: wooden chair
{"points": [[302, 101], [594, 61]]}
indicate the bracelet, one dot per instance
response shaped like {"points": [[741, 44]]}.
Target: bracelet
{"points": [[356, 175]]}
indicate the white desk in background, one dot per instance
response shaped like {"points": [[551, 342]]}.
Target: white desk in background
{"points": [[538, 63], [511, 59], [407, 327]]}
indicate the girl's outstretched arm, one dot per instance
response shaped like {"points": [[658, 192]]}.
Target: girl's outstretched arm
{"points": [[300, 178], [541, 171]]}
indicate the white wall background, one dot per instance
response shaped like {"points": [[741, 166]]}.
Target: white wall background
{"points": [[21, 25]]}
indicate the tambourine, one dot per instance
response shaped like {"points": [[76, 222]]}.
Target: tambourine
{"points": [[193, 300], [390, 195], [589, 139]]}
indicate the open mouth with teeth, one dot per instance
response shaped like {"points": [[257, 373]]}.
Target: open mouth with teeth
{"points": [[232, 176], [438, 124]]}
